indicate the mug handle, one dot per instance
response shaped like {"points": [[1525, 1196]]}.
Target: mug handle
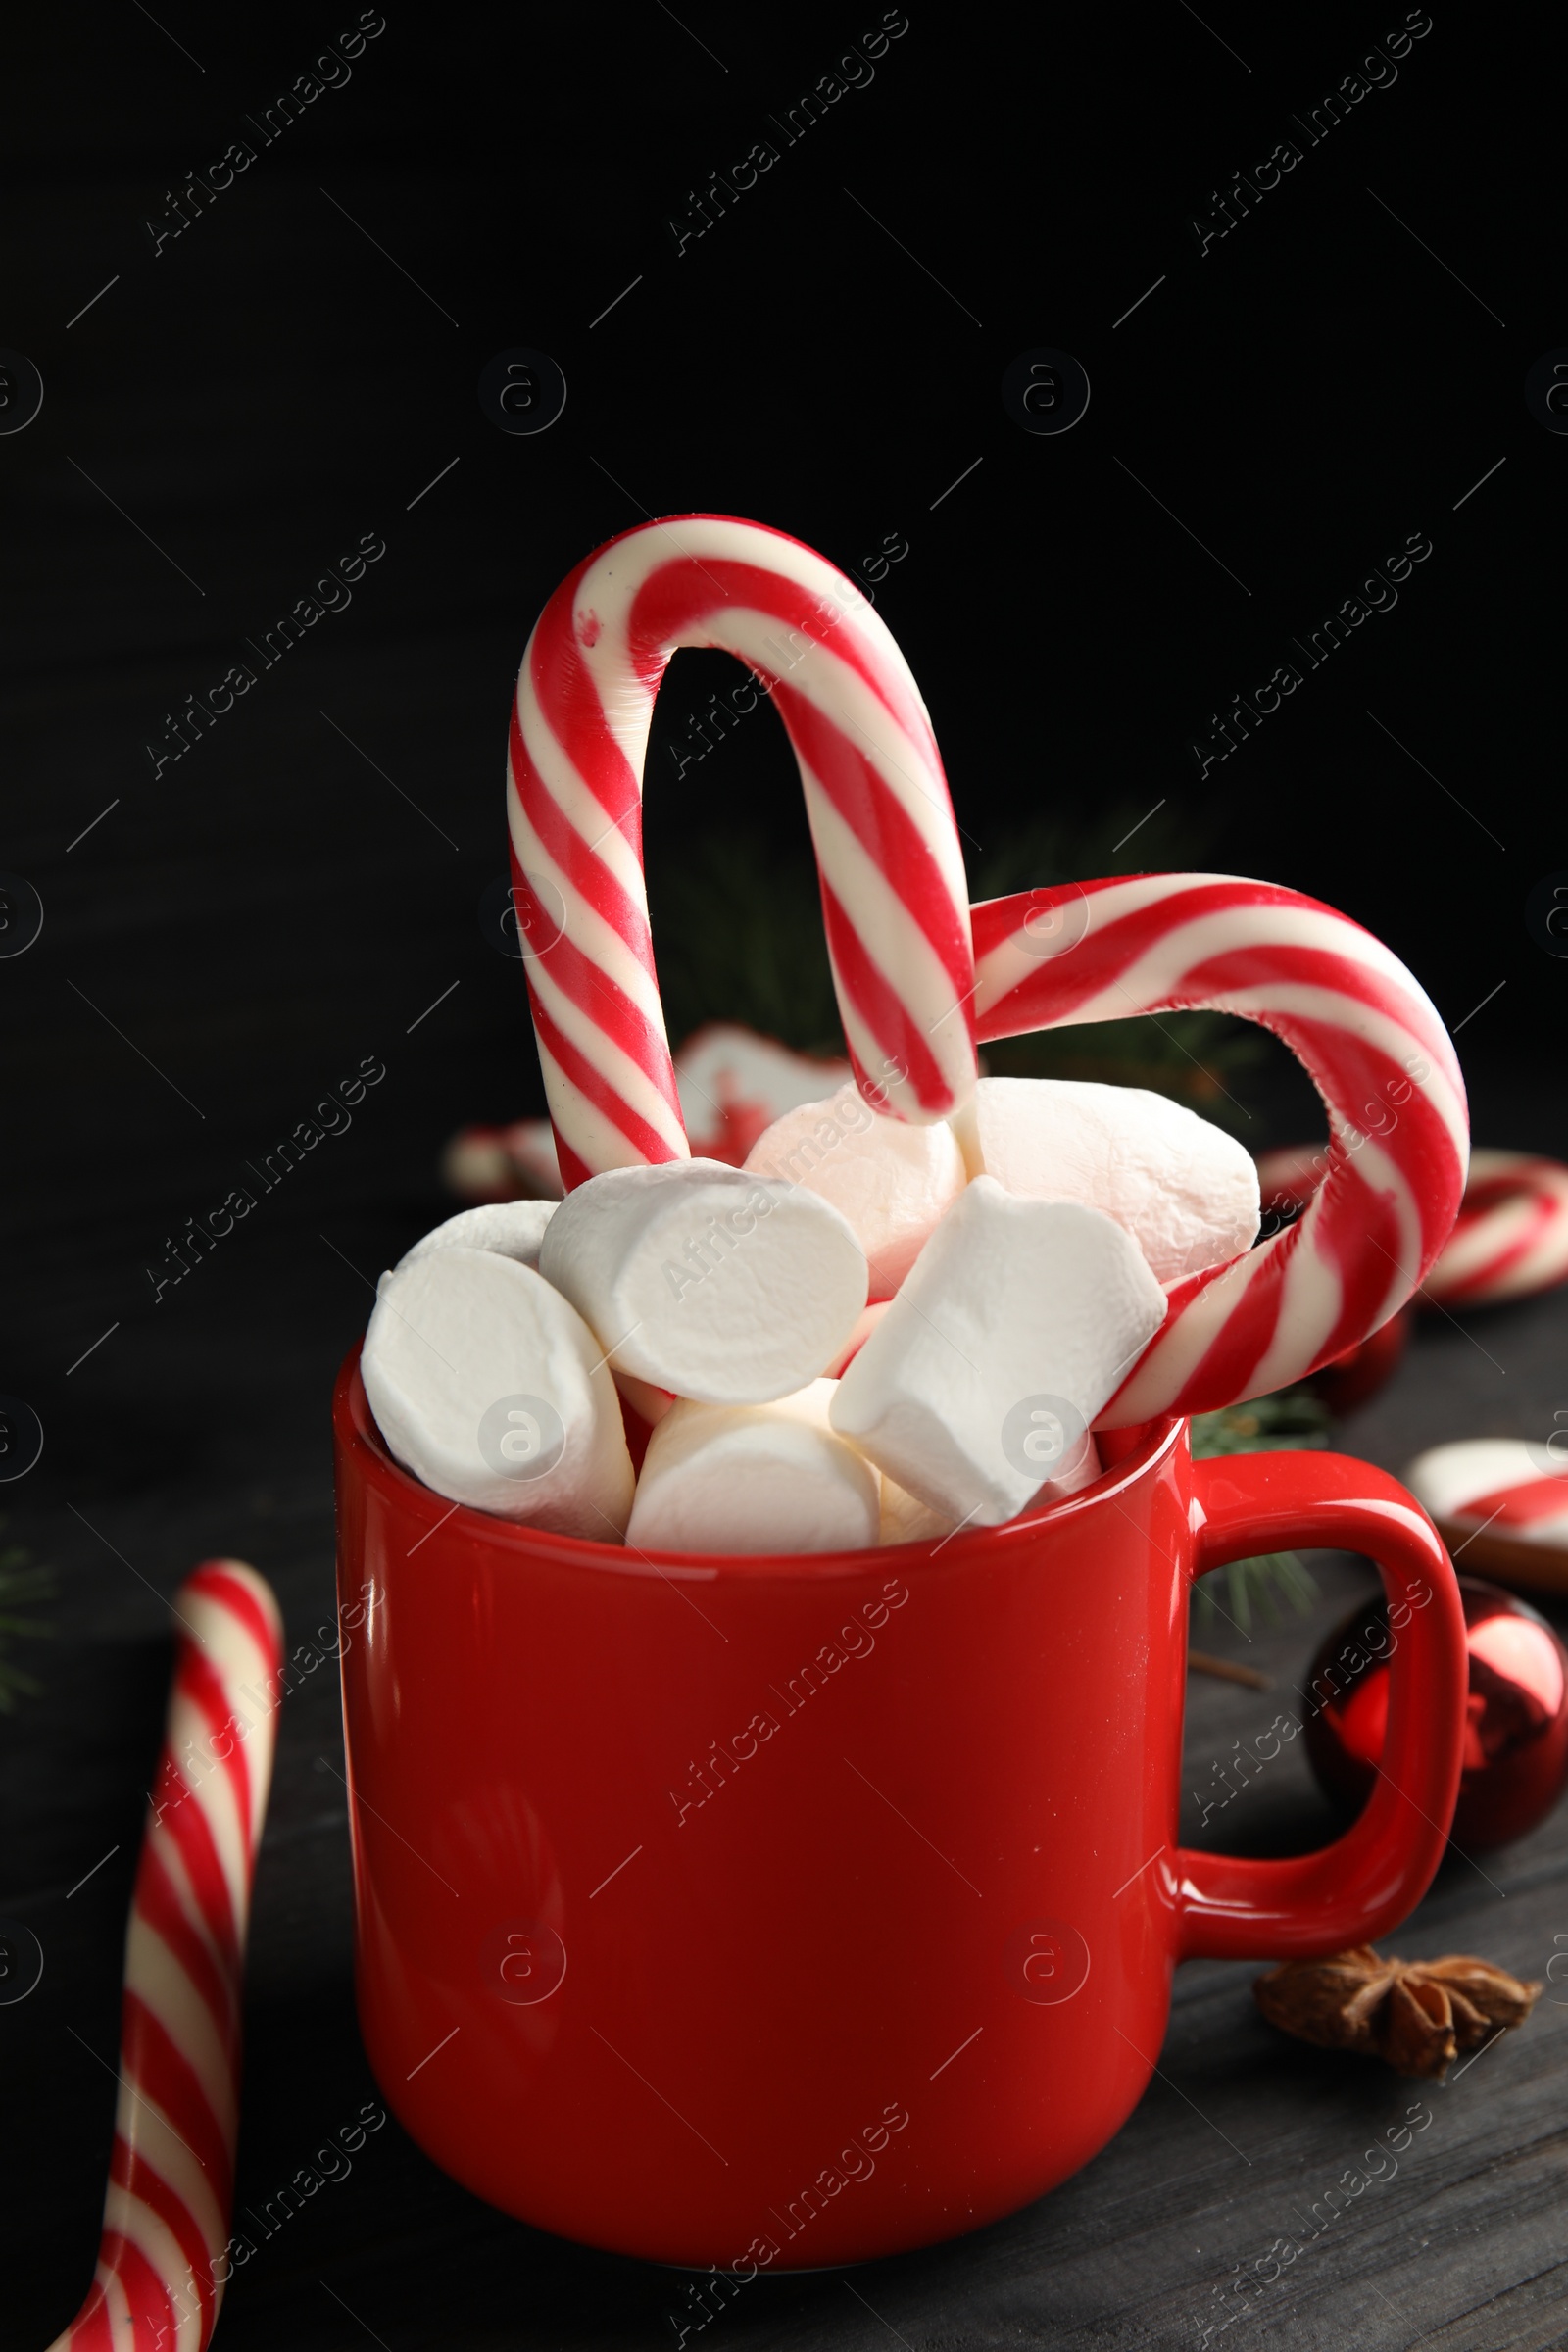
{"points": [[1312, 1905]]}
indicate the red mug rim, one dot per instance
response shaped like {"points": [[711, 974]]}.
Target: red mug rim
{"points": [[355, 1423]]}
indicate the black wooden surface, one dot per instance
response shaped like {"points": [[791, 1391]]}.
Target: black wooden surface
{"points": [[236, 932]]}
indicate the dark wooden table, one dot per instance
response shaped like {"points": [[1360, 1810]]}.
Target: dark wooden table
{"points": [[225, 936]]}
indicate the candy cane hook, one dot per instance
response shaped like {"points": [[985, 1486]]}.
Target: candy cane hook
{"points": [[895, 899]]}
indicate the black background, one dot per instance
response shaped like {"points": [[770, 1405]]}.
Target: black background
{"points": [[238, 931]]}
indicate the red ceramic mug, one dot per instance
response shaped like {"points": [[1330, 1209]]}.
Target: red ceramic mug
{"points": [[783, 1912]]}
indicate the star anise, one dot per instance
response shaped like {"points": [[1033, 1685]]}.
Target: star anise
{"points": [[1417, 2014]]}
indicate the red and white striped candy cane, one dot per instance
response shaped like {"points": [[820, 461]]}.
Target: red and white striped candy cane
{"points": [[1372, 1042], [161, 2259], [1511, 1237], [893, 895]]}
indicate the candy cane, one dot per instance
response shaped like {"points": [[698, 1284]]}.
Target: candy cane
{"points": [[1511, 1237], [1509, 1240], [893, 895], [1395, 1163], [162, 2264], [914, 993]]}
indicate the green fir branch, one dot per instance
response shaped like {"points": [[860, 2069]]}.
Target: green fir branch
{"points": [[1288, 1418]]}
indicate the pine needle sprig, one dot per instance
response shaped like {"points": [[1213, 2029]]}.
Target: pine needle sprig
{"points": [[1289, 1417]]}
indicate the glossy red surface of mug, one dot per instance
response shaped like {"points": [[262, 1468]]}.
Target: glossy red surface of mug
{"points": [[774, 1912]]}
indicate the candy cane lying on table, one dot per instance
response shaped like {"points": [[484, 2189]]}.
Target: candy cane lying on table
{"points": [[162, 2263], [1371, 1040], [893, 895]]}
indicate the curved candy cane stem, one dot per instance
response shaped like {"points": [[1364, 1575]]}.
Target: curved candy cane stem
{"points": [[894, 896], [161, 2259], [1510, 1237], [1373, 1044]]}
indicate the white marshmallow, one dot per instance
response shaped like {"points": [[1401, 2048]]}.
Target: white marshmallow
{"points": [[906, 1520], [768, 1478], [1021, 1319], [490, 1387], [1448, 1480], [508, 1228], [1184, 1190], [893, 1183], [515, 1229], [725, 1287]]}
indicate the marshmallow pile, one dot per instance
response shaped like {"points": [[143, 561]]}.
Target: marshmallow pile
{"points": [[869, 1333]]}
